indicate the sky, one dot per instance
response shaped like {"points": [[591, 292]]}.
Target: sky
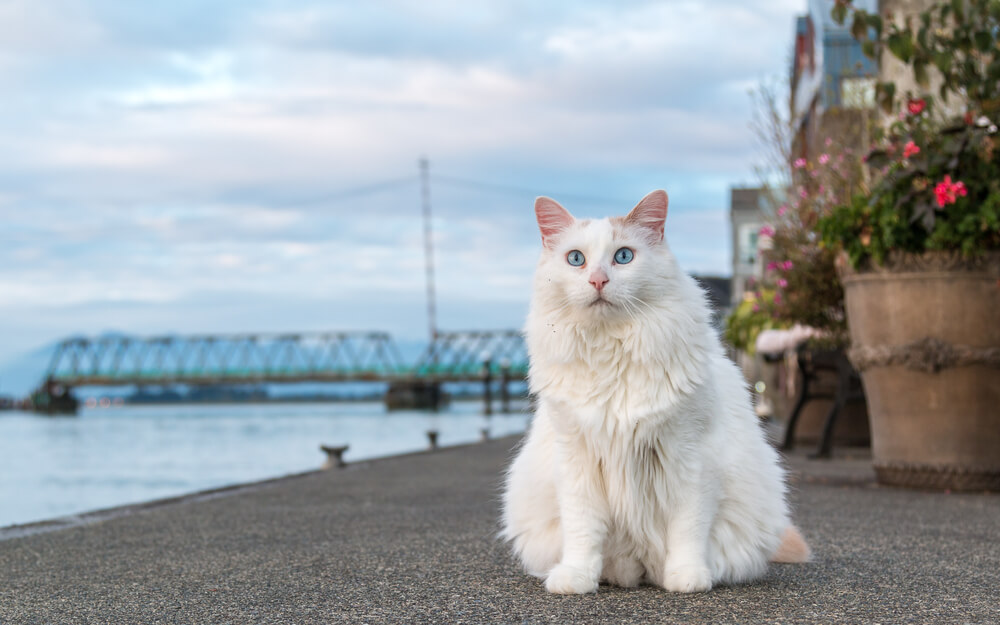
{"points": [[252, 165]]}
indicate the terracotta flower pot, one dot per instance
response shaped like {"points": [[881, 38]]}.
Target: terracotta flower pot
{"points": [[925, 333]]}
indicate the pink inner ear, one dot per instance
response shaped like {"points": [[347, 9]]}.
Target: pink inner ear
{"points": [[651, 213], [552, 219]]}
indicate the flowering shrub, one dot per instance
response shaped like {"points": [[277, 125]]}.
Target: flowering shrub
{"points": [[799, 283], [753, 315], [935, 181], [797, 267]]}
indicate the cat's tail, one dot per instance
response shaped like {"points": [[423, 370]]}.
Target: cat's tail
{"points": [[793, 548]]}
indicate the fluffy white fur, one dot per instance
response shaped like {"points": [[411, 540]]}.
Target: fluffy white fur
{"points": [[644, 461]]}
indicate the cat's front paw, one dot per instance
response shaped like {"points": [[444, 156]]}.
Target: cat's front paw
{"points": [[569, 580], [688, 578]]}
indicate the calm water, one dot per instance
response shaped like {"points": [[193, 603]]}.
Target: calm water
{"points": [[51, 467]]}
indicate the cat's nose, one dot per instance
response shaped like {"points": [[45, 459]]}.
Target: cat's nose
{"points": [[598, 279]]}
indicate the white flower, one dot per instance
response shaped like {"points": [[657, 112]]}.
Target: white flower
{"points": [[983, 122]]}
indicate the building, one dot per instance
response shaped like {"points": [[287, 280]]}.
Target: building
{"points": [[832, 82], [748, 212], [832, 95]]}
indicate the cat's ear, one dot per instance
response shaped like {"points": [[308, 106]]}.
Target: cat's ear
{"points": [[552, 219], [650, 213]]}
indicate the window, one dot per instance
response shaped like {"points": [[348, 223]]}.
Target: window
{"points": [[747, 252]]}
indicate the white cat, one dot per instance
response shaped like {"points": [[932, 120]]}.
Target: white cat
{"points": [[645, 461]]}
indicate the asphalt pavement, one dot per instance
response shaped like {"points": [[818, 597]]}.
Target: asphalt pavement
{"points": [[412, 539]]}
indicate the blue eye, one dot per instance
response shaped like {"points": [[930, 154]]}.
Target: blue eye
{"points": [[624, 255], [575, 258]]}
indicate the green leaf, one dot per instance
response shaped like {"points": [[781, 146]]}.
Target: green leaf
{"points": [[839, 12], [859, 27], [868, 48], [958, 6], [993, 70], [901, 46], [922, 36], [983, 40], [885, 95], [874, 21], [942, 60], [920, 73]]}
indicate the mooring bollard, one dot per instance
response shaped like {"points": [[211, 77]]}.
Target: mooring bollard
{"points": [[484, 434], [504, 382], [432, 438], [487, 386], [334, 456]]}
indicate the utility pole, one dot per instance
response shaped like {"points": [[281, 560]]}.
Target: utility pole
{"points": [[425, 187]]}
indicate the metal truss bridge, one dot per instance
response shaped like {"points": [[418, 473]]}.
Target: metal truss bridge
{"points": [[276, 358]]}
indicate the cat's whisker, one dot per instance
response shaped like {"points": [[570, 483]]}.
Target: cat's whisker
{"points": [[631, 309], [635, 306]]}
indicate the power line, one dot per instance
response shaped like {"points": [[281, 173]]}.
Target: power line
{"points": [[508, 189], [356, 192], [453, 181]]}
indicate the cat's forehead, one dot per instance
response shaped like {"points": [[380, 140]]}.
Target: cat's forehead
{"points": [[599, 231]]}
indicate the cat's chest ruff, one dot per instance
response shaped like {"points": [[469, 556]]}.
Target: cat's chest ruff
{"points": [[609, 375]]}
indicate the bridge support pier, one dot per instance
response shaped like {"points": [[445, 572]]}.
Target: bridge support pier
{"points": [[54, 399], [505, 387], [415, 395], [487, 387]]}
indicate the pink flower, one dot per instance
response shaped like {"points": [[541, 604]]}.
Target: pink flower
{"points": [[800, 163], [916, 107], [803, 193], [771, 266], [766, 231], [828, 142], [782, 282], [910, 149], [777, 298], [787, 265], [782, 210], [947, 192], [756, 307], [824, 159]]}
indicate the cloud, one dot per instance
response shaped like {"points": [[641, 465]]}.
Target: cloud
{"points": [[163, 161]]}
